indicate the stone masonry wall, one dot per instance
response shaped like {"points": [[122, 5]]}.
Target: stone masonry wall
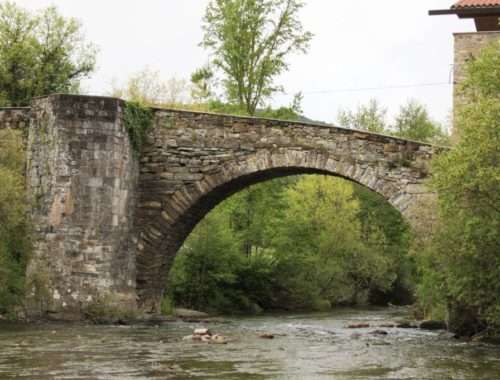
{"points": [[195, 160], [82, 173], [466, 45], [15, 118]]}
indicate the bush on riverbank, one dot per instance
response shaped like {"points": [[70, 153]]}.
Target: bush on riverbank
{"points": [[14, 225], [458, 257]]}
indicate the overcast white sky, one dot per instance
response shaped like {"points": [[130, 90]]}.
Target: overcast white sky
{"points": [[357, 44]]}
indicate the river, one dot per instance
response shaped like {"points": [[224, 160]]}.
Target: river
{"points": [[306, 346]]}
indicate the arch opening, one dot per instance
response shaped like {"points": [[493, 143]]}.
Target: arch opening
{"points": [[190, 210]]}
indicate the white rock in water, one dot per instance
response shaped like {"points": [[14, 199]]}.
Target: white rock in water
{"points": [[202, 332]]}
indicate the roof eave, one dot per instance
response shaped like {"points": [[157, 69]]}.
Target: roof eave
{"points": [[467, 12]]}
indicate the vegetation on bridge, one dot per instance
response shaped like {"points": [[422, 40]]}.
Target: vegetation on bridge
{"points": [[14, 223], [137, 119]]}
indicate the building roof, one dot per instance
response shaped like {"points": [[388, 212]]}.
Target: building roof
{"points": [[486, 13], [462, 4]]}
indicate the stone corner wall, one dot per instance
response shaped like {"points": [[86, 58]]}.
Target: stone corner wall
{"points": [[15, 118], [466, 45], [82, 172]]}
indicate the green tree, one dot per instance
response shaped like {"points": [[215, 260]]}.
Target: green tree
{"points": [[253, 213], [292, 112], [206, 273], [377, 215], [462, 256], [322, 226], [14, 226], [250, 41], [369, 118], [40, 53], [413, 122], [202, 80]]}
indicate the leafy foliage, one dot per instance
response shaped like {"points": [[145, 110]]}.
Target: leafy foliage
{"points": [[14, 226], [323, 228], [205, 272], [202, 80], [376, 215], [412, 122], [459, 260], [369, 118], [292, 112], [289, 243], [40, 54], [250, 41], [137, 119]]}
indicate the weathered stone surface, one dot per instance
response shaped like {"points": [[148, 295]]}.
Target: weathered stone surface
{"points": [[15, 118], [467, 46], [83, 173], [202, 331]]}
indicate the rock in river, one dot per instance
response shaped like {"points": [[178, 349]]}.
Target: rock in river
{"points": [[205, 335], [379, 332], [186, 313], [357, 325], [429, 324]]}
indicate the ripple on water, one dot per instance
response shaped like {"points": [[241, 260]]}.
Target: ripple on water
{"points": [[306, 346]]}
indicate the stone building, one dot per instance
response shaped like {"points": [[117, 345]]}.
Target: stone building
{"points": [[486, 16]]}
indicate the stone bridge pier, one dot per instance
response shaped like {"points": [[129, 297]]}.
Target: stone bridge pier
{"points": [[109, 221]]}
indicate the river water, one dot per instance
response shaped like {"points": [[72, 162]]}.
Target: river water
{"points": [[311, 346]]}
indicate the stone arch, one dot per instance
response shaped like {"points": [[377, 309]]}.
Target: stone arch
{"points": [[163, 236]]}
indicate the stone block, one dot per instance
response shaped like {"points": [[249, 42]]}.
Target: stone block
{"points": [[188, 176], [414, 188]]}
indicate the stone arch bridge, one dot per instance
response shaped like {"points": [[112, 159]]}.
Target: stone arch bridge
{"points": [[109, 222]]}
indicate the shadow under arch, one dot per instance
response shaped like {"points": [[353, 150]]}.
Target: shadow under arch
{"points": [[164, 234]]}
